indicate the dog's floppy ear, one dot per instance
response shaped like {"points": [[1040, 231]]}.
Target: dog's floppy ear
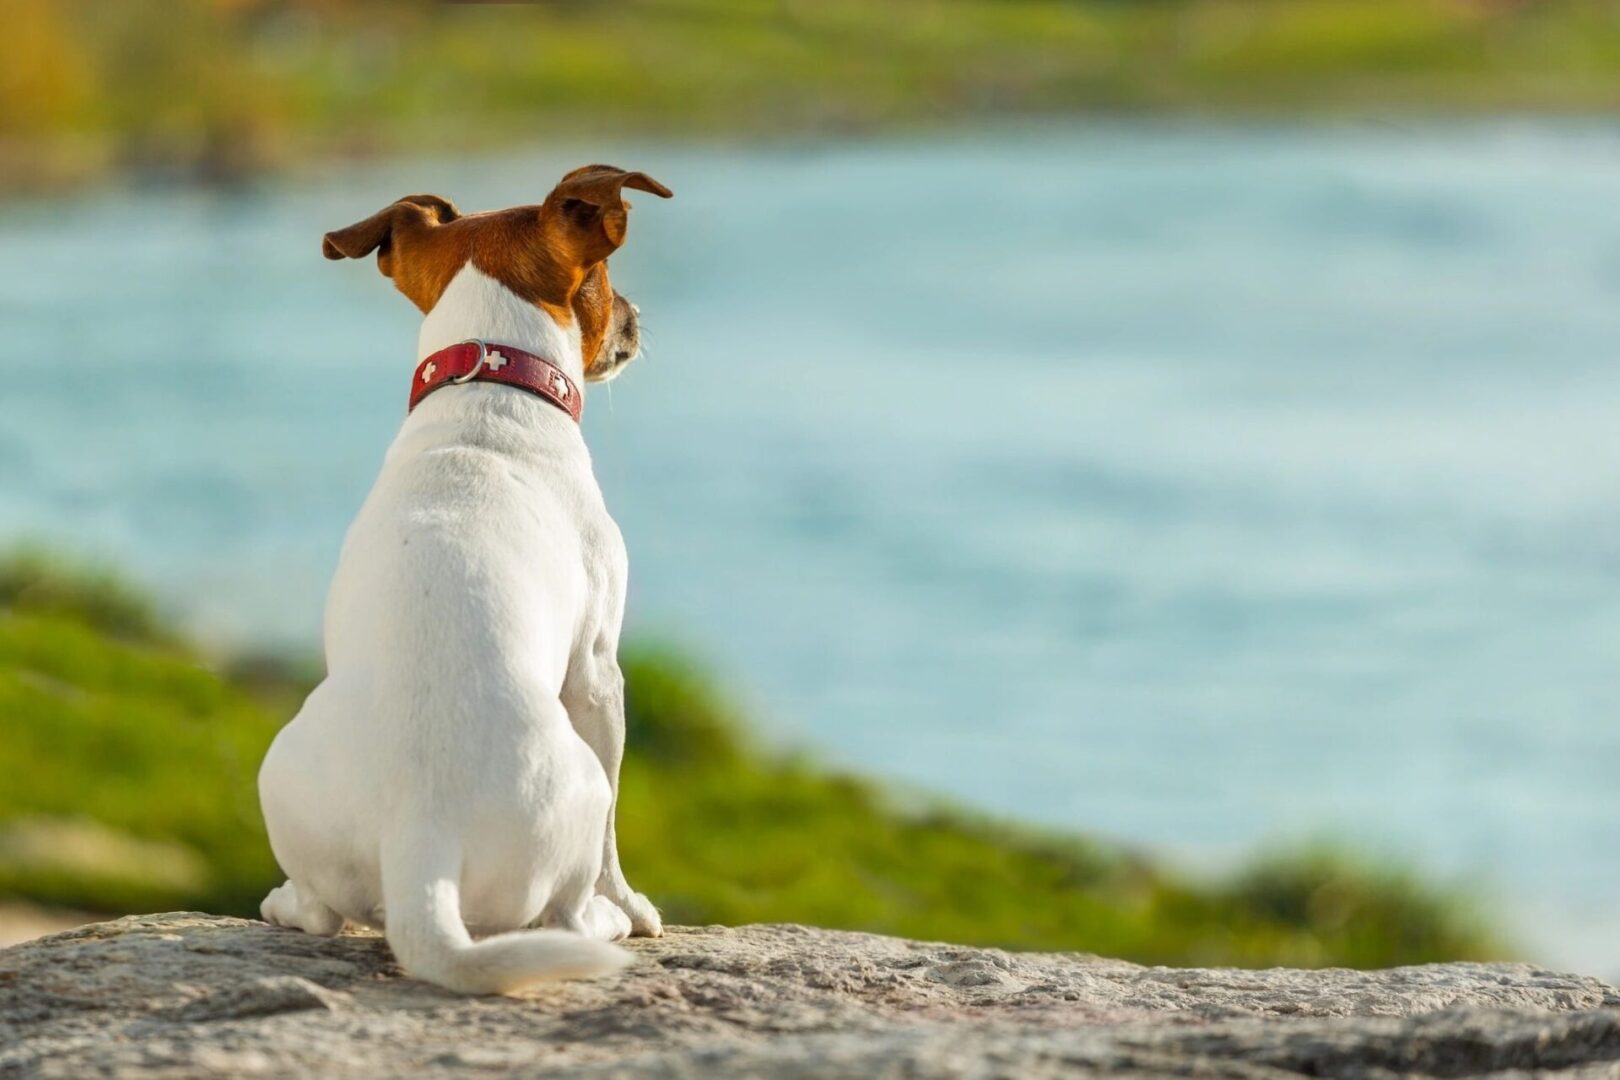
{"points": [[376, 233], [589, 203]]}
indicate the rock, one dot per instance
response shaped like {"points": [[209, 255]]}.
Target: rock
{"points": [[194, 995]]}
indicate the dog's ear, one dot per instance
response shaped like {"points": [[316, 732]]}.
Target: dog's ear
{"points": [[376, 233], [588, 204]]}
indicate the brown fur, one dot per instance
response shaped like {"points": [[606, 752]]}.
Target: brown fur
{"points": [[553, 255]]}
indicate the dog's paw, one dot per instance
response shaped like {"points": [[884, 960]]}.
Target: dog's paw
{"points": [[605, 920], [644, 918], [280, 906], [286, 907]]}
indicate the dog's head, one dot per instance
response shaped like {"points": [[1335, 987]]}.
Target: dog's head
{"points": [[553, 255]]}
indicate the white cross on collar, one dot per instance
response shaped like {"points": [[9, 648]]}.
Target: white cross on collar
{"points": [[494, 360]]}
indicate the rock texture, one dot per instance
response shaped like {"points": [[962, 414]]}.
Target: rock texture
{"points": [[192, 995]]}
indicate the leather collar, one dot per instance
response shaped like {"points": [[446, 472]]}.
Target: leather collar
{"points": [[481, 361]]}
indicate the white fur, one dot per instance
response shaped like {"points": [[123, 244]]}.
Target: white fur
{"points": [[455, 774], [475, 305]]}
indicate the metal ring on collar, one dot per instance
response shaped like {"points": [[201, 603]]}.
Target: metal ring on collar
{"points": [[483, 354]]}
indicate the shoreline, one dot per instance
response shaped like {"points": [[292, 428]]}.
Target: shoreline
{"points": [[717, 826], [315, 162], [53, 178]]}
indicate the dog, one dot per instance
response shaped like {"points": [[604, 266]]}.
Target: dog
{"points": [[453, 779]]}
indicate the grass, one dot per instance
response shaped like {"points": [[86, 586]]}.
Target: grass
{"points": [[129, 763], [225, 88]]}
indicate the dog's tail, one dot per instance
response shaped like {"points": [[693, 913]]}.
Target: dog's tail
{"points": [[422, 909]]}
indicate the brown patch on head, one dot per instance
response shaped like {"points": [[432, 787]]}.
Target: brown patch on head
{"points": [[554, 254]]}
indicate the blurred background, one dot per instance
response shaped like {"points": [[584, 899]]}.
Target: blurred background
{"points": [[1123, 475]]}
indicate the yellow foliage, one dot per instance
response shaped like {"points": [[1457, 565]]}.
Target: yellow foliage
{"points": [[47, 81]]}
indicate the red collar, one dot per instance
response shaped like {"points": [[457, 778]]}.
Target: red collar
{"points": [[480, 361]]}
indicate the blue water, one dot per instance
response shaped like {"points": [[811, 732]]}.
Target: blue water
{"points": [[1206, 488]]}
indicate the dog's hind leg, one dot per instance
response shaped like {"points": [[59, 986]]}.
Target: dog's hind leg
{"points": [[288, 905], [594, 697]]}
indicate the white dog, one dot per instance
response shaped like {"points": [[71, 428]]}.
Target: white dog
{"points": [[455, 775]]}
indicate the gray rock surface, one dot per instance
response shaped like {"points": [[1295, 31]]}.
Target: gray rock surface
{"points": [[193, 995]]}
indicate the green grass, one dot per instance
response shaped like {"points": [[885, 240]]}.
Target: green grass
{"points": [[227, 87], [128, 763]]}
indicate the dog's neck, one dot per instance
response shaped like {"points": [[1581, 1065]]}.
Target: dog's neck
{"points": [[475, 305]]}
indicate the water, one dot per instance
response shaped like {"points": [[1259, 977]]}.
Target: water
{"points": [[1203, 488]]}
